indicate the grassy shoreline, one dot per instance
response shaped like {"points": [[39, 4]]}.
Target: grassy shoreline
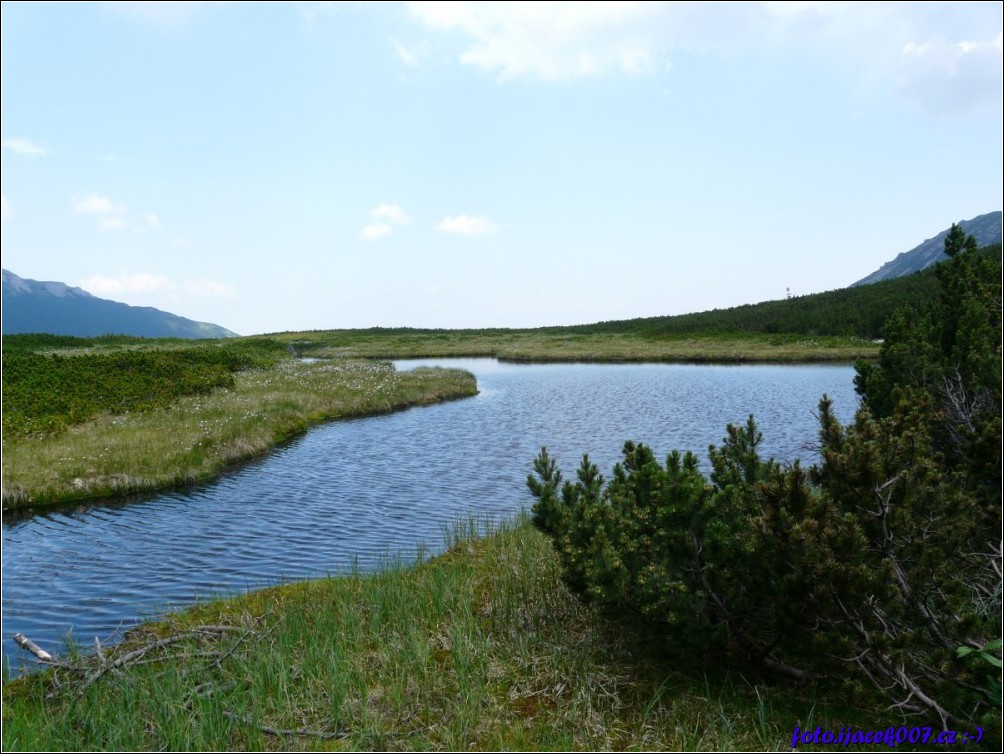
{"points": [[199, 437], [533, 346], [481, 648]]}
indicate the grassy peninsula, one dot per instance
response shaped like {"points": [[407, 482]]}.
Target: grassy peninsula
{"points": [[87, 451], [93, 417], [97, 417], [482, 648], [570, 345]]}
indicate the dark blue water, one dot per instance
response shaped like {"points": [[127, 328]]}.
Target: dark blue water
{"points": [[349, 494]]}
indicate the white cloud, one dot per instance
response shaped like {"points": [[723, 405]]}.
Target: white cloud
{"points": [[388, 216], [112, 222], [93, 204], [374, 231], [410, 55], [391, 212], [26, 147], [551, 41], [944, 76], [467, 225], [5, 210], [111, 215], [945, 60], [148, 284], [139, 282]]}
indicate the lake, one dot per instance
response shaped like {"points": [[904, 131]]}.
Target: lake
{"points": [[351, 494]]}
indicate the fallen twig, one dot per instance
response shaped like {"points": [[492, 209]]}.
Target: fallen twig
{"points": [[123, 660], [218, 662], [138, 656]]}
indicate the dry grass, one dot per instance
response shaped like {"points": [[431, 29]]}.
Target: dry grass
{"points": [[526, 345]]}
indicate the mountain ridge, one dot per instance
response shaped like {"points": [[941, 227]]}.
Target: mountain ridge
{"points": [[985, 228], [45, 306]]}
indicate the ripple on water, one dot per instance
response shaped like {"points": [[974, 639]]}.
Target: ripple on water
{"points": [[355, 493]]}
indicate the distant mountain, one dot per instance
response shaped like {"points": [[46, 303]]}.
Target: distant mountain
{"points": [[986, 228], [30, 306]]}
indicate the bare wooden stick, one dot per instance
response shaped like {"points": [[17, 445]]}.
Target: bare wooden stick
{"points": [[213, 629], [128, 657], [25, 643]]}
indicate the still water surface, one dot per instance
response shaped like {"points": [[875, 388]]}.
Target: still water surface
{"points": [[352, 493]]}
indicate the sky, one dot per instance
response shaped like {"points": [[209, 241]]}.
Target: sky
{"points": [[293, 166]]}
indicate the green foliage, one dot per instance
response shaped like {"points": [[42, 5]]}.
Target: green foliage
{"points": [[949, 357], [984, 653], [707, 561], [861, 311], [857, 312], [37, 341], [885, 558], [46, 393], [910, 566], [924, 460]]}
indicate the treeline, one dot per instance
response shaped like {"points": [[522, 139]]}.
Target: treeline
{"points": [[44, 393], [859, 312]]}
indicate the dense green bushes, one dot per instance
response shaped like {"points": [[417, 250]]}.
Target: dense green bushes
{"points": [[705, 560], [950, 357], [47, 392], [883, 559], [39, 341]]}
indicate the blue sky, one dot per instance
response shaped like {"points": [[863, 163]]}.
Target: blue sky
{"points": [[297, 166]]}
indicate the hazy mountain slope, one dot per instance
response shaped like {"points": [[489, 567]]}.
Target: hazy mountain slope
{"points": [[986, 229], [36, 307]]}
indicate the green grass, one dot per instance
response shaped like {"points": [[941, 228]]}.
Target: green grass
{"points": [[196, 437], [538, 345], [482, 648]]}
